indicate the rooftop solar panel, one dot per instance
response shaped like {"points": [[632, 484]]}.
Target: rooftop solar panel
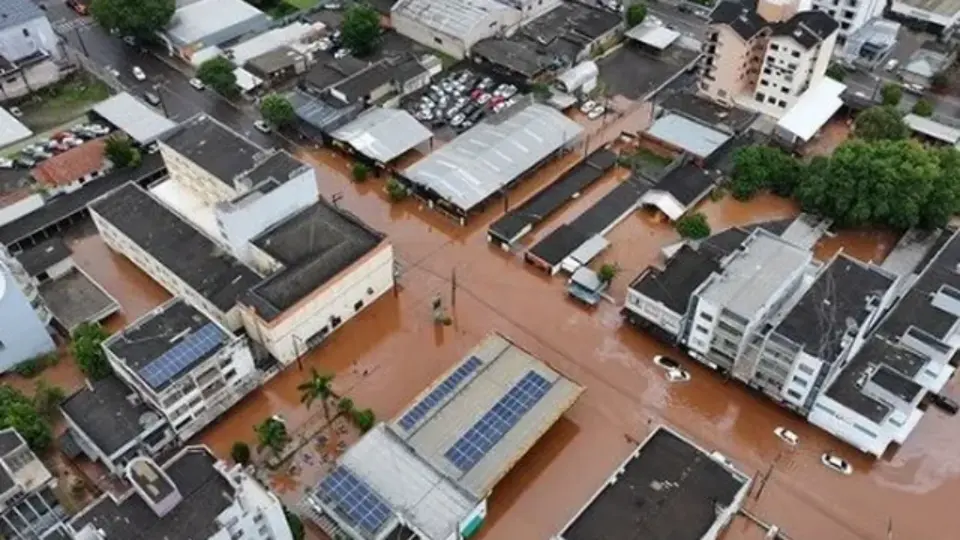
{"points": [[440, 393], [171, 363], [354, 500], [498, 421]]}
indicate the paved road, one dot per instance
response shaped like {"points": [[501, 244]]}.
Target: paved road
{"points": [[180, 99]]}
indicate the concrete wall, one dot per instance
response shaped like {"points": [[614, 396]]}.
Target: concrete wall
{"points": [[729, 79], [349, 293], [22, 334]]}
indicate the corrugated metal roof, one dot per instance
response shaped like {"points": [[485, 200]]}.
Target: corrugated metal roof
{"points": [[689, 136], [383, 134], [458, 18], [135, 118]]}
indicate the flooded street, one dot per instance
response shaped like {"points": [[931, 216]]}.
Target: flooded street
{"points": [[385, 356]]}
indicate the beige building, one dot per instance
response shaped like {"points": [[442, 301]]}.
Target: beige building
{"points": [[765, 58]]}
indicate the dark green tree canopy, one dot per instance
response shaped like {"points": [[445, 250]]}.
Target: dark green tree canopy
{"points": [[360, 30], [757, 168], [88, 353], [636, 13], [891, 94], [881, 123], [138, 18], [18, 411], [277, 110], [120, 150], [217, 73]]}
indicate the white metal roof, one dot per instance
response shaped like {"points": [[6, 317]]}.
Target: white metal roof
{"points": [[383, 134], [193, 22], [130, 115], [814, 108], [590, 249], [654, 35], [493, 153], [502, 366], [933, 129], [271, 40], [665, 202], [11, 129], [578, 75], [687, 135], [457, 18], [246, 81]]}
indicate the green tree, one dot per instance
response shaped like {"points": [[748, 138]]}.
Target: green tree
{"points": [[317, 387], [345, 406], [359, 172], [272, 434], [757, 168], [295, 524], [608, 272], [944, 198], [217, 73], [88, 352], [636, 13], [891, 94], [940, 81], [923, 107], [240, 453], [880, 123], [364, 419], [360, 30], [138, 18], [277, 110], [120, 151], [18, 411], [47, 397], [836, 72], [396, 191], [693, 226]]}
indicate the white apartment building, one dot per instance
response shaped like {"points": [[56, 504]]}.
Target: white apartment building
{"points": [[851, 15], [765, 58], [28, 506], [183, 364], [191, 496]]}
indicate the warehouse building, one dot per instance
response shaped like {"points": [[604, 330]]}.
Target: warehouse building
{"points": [[383, 135]]}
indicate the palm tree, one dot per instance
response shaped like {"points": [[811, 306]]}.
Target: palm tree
{"points": [[316, 387], [272, 434]]}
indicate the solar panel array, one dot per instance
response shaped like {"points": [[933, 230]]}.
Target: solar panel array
{"points": [[444, 389], [495, 423], [354, 500], [190, 349]]}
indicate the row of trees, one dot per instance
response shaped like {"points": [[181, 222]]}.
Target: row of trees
{"points": [[878, 178], [30, 417]]}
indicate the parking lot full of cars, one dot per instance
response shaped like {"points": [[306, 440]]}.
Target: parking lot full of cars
{"points": [[462, 99], [60, 142]]}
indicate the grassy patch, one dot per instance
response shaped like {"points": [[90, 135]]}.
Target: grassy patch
{"points": [[303, 4], [63, 102]]}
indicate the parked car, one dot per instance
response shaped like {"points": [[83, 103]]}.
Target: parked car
{"points": [[342, 52], [151, 98], [25, 162], [130, 40], [6, 163], [98, 129], [588, 106], [197, 84], [836, 463], [499, 107], [262, 126], [787, 436], [678, 375], [138, 74], [16, 111], [946, 404], [666, 362], [457, 120], [597, 112], [892, 64]]}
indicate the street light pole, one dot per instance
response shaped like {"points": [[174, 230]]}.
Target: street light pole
{"points": [[163, 103], [83, 46]]}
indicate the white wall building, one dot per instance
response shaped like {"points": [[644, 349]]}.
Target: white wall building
{"points": [[28, 506], [851, 15], [191, 496], [23, 317]]}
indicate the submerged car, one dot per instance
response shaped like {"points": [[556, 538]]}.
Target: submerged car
{"points": [[836, 463], [787, 436]]}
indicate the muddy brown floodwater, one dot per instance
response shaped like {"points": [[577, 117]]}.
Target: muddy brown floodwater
{"points": [[384, 357]]}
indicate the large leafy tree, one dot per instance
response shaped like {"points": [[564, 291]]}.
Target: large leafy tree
{"points": [[277, 110], [758, 168], [317, 387], [120, 151], [891, 94], [636, 13], [17, 411], [360, 30], [272, 434], [88, 353], [140, 18], [881, 123], [217, 73]]}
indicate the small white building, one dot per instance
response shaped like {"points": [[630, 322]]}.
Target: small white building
{"points": [[191, 496]]}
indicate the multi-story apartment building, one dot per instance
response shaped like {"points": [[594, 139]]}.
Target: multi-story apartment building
{"points": [[765, 57], [176, 371], [24, 318], [191, 496], [29, 49], [851, 15], [28, 506]]}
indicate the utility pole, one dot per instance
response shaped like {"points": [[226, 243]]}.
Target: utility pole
{"points": [[163, 102], [296, 351], [453, 288], [83, 46]]}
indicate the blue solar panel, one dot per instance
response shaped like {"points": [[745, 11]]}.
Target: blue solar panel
{"points": [[495, 423], [190, 349], [442, 390], [354, 500]]}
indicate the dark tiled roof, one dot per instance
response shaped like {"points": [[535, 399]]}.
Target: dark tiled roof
{"points": [[741, 17], [18, 12], [687, 183], [808, 28], [216, 149], [40, 257], [105, 415], [674, 285]]}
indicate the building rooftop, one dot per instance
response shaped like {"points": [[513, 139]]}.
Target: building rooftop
{"points": [[896, 383], [74, 298], [932, 129], [944, 8], [741, 17], [687, 135], [319, 113], [11, 129], [476, 421], [280, 166], [314, 246], [133, 117], [188, 254], [69, 167], [192, 22], [494, 153], [106, 416], [680, 188], [383, 134], [669, 489], [37, 259], [808, 28], [205, 491], [675, 284], [751, 278], [837, 304], [459, 18], [707, 112], [275, 60], [167, 343], [271, 40], [18, 12], [329, 71], [814, 109], [215, 148]]}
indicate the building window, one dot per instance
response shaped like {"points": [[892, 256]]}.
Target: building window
{"points": [[764, 82], [782, 104], [795, 54], [805, 369], [26, 32], [866, 431], [760, 96], [707, 317], [785, 89], [774, 47], [438, 41], [771, 100], [335, 321], [794, 394], [705, 87], [802, 382], [702, 329], [845, 25], [722, 93], [358, 306]]}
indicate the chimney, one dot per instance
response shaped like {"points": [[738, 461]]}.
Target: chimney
{"points": [[774, 11]]}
